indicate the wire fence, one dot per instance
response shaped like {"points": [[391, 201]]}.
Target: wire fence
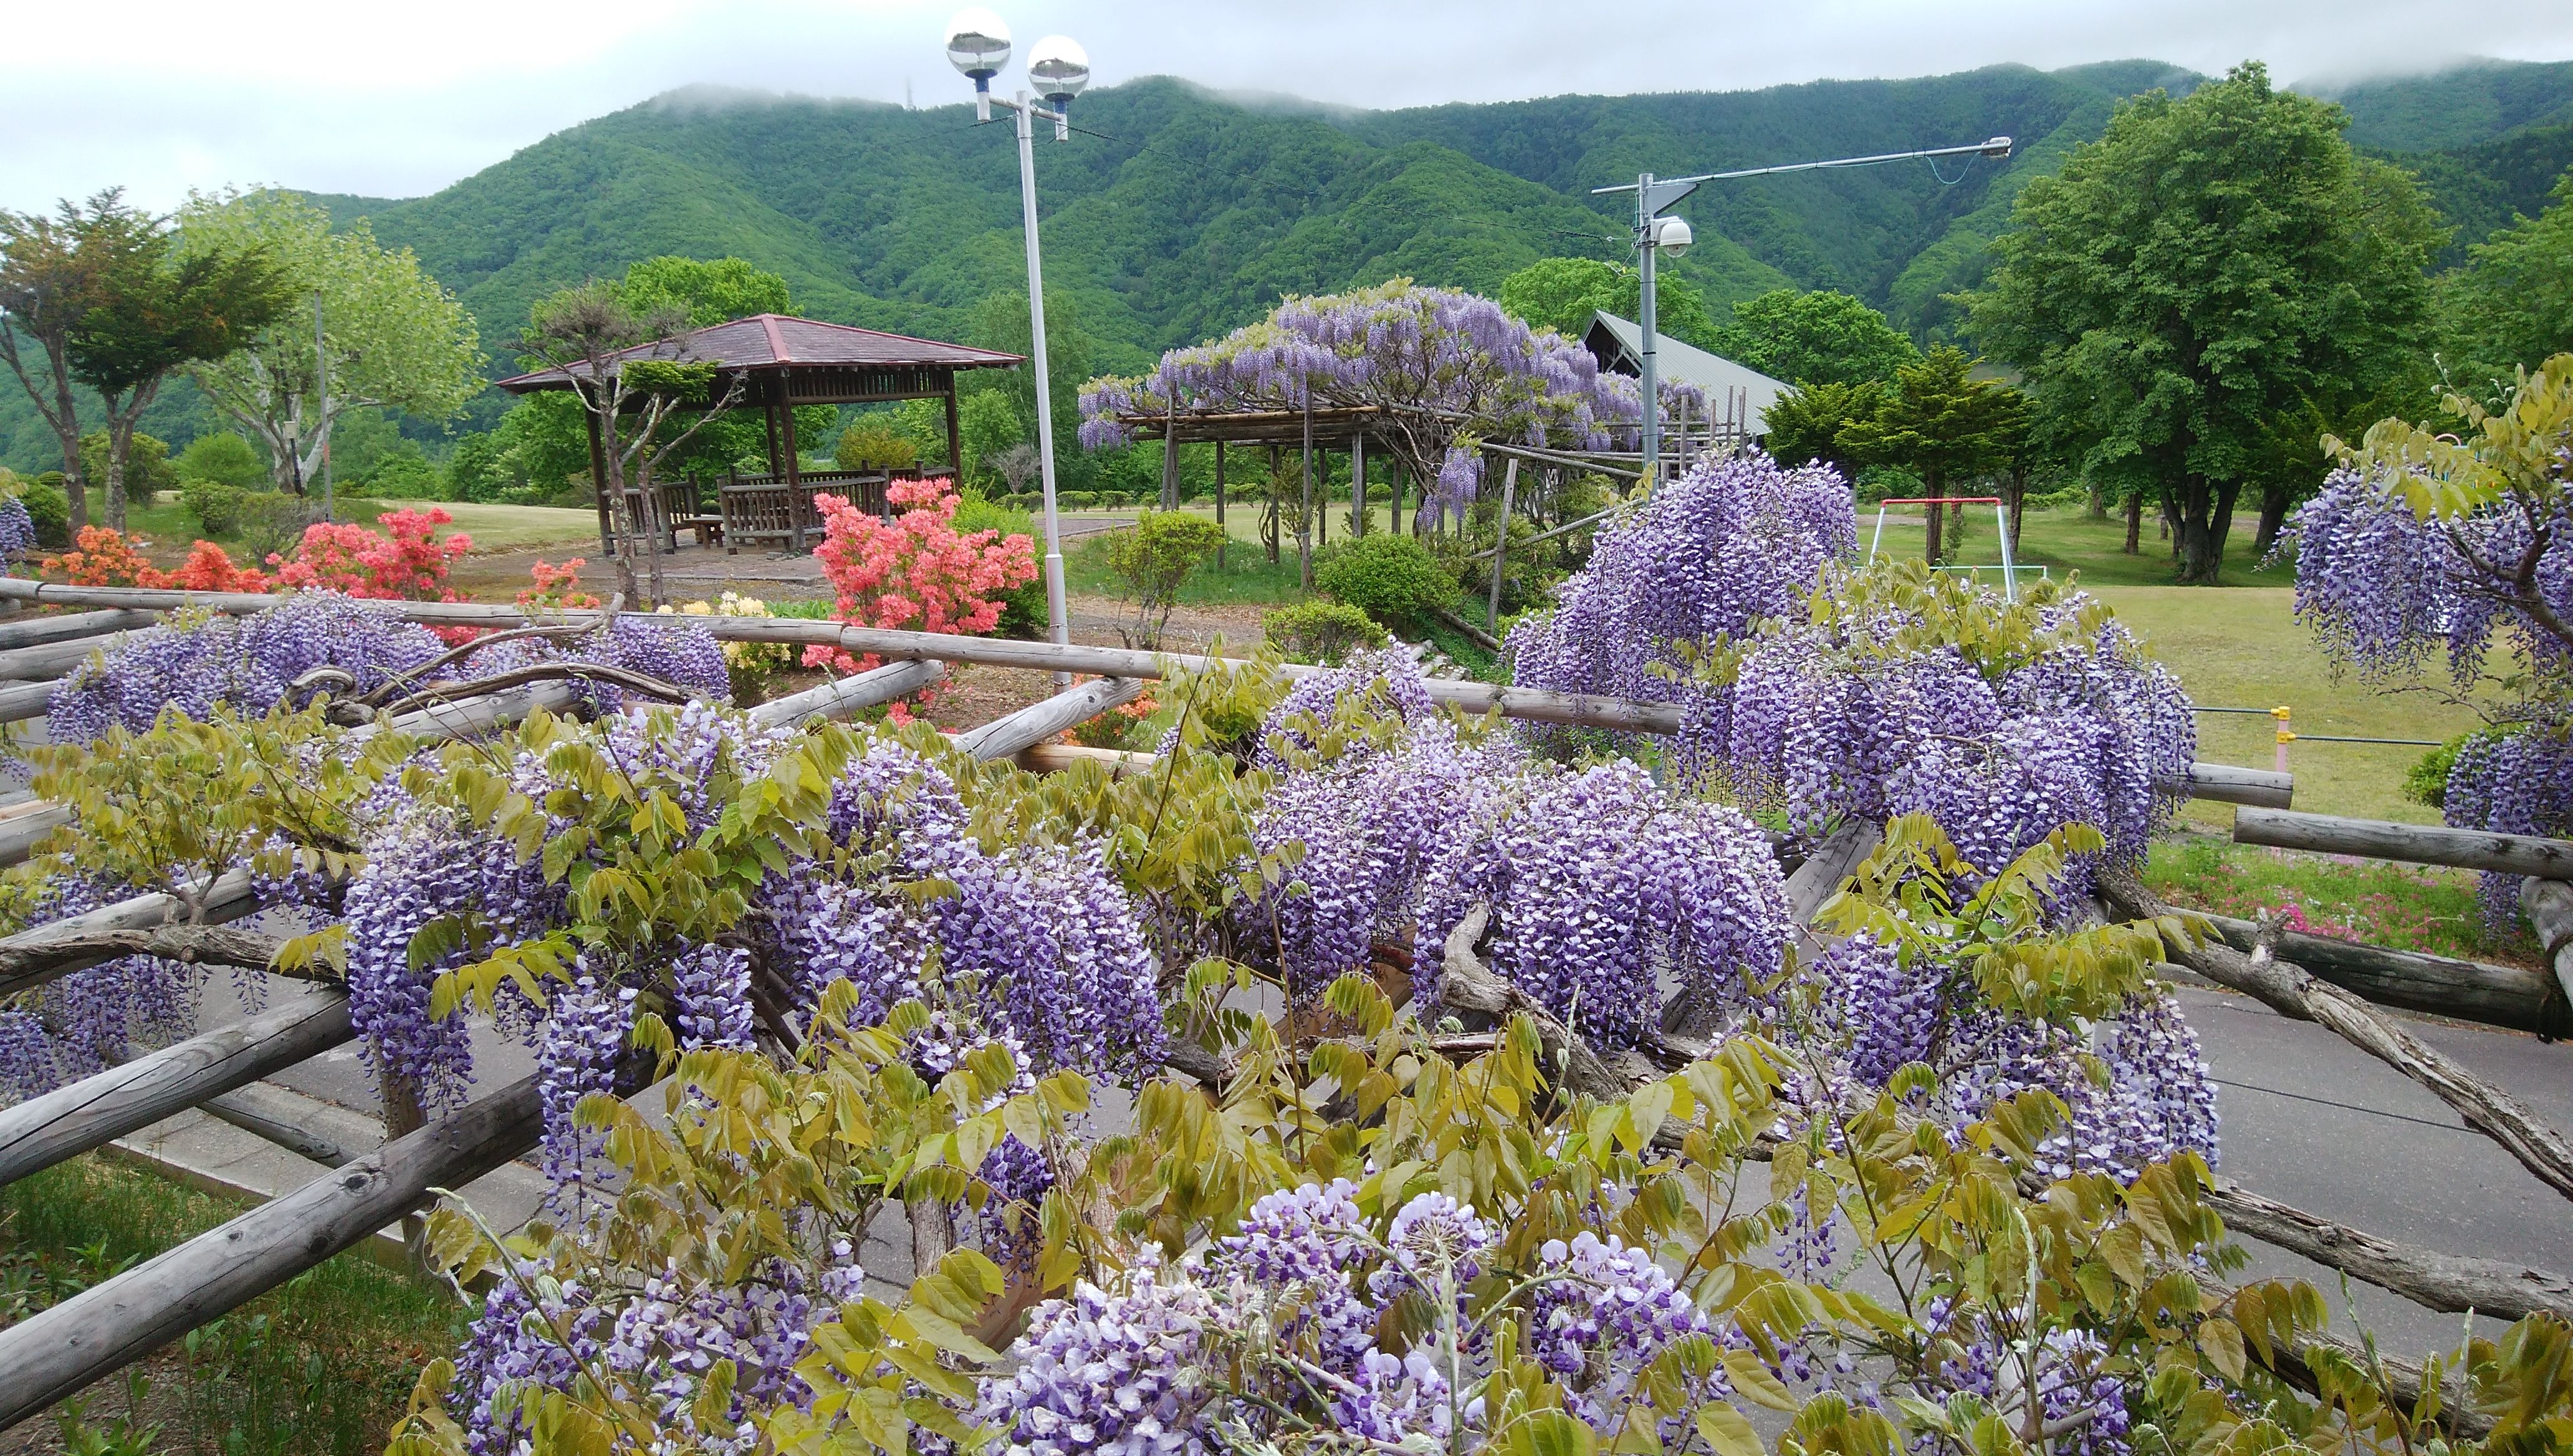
{"points": [[2287, 735]]}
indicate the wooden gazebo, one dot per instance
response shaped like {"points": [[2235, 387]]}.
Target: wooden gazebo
{"points": [[784, 361]]}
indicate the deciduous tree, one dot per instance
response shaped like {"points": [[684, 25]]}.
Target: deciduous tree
{"points": [[1944, 423], [1817, 338], [153, 310], [392, 337], [2205, 267], [46, 287], [2511, 305], [624, 370], [1561, 293]]}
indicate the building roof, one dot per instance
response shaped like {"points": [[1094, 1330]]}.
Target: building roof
{"points": [[1616, 342], [767, 342]]}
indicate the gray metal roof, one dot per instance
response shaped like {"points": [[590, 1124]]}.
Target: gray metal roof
{"points": [[1617, 342]]}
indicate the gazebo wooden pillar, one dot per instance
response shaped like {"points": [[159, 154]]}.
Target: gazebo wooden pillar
{"points": [[955, 436]]}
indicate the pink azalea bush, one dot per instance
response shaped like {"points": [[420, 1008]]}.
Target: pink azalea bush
{"points": [[917, 572], [409, 564]]}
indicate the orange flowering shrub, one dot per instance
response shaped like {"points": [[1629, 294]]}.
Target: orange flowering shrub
{"points": [[1114, 728], [208, 568], [557, 586], [99, 557], [409, 564], [916, 572]]}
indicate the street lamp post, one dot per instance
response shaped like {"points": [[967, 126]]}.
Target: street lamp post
{"points": [[978, 44], [1656, 235]]}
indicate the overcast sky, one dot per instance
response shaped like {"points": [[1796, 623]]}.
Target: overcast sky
{"points": [[396, 101]]}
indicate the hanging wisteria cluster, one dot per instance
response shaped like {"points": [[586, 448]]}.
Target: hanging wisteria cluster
{"points": [[253, 662], [2048, 714], [1735, 542], [1608, 893], [1603, 886], [2136, 1086], [1439, 362], [1373, 785], [92, 1018], [202, 660], [1038, 943], [2420, 555], [17, 528]]}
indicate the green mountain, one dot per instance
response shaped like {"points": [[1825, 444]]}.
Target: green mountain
{"points": [[2455, 108], [1181, 213]]}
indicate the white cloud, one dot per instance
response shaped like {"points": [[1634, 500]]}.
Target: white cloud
{"points": [[164, 97]]}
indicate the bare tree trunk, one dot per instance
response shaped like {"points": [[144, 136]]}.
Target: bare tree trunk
{"points": [[2275, 502], [2135, 523], [1938, 514], [2200, 536]]}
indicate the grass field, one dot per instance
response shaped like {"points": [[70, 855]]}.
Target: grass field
{"points": [[321, 1366], [493, 527], [2066, 539], [2245, 648]]}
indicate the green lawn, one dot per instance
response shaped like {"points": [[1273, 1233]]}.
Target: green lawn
{"points": [[492, 527], [1245, 575], [2400, 907], [2066, 539], [2244, 647], [323, 1364]]}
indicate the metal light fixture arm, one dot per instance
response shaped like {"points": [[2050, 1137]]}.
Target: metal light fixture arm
{"points": [[1655, 235]]}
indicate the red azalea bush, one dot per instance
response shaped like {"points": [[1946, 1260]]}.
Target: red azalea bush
{"points": [[917, 572], [406, 565]]}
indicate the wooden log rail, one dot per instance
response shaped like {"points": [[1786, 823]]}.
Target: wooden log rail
{"points": [[846, 697], [2474, 991], [96, 1110], [1009, 736], [36, 632], [2411, 843], [2549, 906], [51, 1354], [1537, 705], [32, 958]]}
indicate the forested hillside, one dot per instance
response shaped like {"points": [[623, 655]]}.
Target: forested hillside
{"points": [[1183, 214]]}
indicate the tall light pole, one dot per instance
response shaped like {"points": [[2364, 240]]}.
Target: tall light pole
{"points": [[978, 44], [1656, 234]]}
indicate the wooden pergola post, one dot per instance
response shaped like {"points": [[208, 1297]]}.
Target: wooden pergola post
{"points": [[1358, 485], [598, 479], [955, 436], [1219, 504]]}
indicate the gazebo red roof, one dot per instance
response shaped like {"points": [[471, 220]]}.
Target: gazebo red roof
{"points": [[778, 340]]}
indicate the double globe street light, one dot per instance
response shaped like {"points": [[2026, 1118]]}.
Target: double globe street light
{"points": [[978, 44]]}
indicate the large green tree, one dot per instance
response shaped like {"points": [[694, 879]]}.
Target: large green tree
{"points": [[1943, 424], [2206, 268], [1000, 321], [1561, 293], [1816, 338], [390, 335], [2511, 305], [155, 310]]}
